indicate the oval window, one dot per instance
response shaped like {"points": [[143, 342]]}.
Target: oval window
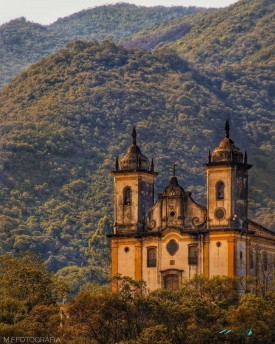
{"points": [[172, 247]]}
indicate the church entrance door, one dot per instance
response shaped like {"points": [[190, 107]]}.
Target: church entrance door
{"points": [[172, 282]]}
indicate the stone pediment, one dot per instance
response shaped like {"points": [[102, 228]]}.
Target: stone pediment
{"points": [[173, 189], [175, 208]]}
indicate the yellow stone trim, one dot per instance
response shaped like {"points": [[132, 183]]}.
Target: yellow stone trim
{"points": [[231, 256], [114, 249], [225, 236], [206, 257], [175, 235], [126, 241], [138, 261]]}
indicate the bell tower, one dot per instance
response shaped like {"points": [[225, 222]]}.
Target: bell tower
{"points": [[133, 196], [227, 185], [134, 189]]}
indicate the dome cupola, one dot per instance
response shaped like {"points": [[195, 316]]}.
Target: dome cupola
{"points": [[134, 159], [227, 151]]}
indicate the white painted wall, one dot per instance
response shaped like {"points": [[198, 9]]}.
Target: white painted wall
{"points": [[218, 258], [240, 262], [126, 261]]}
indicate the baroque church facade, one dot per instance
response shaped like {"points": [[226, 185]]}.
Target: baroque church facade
{"points": [[175, 238]]}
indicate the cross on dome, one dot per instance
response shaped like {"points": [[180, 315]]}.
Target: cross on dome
{"points": [[174, 168]]}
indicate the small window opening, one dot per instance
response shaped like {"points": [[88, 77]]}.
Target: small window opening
{"points": [[220, 191], [127, 196], [193, 255], [151, 257]]}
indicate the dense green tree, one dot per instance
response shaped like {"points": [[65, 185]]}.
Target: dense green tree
{"points": [[166, 316], [99, 246], [29, 294]]}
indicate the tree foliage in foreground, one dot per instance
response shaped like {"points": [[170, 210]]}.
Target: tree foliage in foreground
{"points": [[194, 314], [28, 297]]}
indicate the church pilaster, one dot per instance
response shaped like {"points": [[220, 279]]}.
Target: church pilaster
{"points": [[206, 255], [138, 261], [231, 256]]}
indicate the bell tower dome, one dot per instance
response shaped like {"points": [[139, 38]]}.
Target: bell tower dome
{"points": [[227, 185]]}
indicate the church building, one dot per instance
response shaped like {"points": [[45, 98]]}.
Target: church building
{"points": [[174, 238]]}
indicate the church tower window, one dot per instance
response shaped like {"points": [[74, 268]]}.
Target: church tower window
{"points": [[151, 257], [220, 190], [127, 196], [193, 255]]}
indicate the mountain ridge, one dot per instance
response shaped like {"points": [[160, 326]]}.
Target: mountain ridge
{"points": [[23, 42]]}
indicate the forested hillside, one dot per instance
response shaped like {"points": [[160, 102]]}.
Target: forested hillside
{"points": [[163, 33], [23, 43], [243, 33], [115, 22], [64, 120]]}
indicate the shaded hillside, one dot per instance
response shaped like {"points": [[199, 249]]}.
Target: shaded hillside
{"points": [[23, 43], [165, 32], [66, 118], [242, 33], [115, 22]]}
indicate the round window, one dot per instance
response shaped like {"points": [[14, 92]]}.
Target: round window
{"points": [[172, 247], [219, 213]]}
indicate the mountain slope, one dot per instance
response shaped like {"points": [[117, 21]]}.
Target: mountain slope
{"points": [[165, 32], [115, 22], [23, 43], [242, 33], [65, 119]]}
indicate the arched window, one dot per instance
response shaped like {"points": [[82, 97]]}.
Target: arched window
{"points": [[151, 257], [127, 196], [172, 282], [192, 255], [220, 190]]}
